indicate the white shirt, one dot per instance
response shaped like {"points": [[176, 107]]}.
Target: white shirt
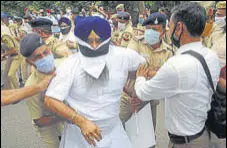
{"points": [[69, 36], [184, 83], [99, 103], [27, 27], [53, 19]]}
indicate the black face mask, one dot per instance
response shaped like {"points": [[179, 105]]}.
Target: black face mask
{"points": [[66, 30], [176, 42], [104, 49]]}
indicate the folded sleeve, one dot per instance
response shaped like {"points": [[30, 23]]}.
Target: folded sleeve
{"points": [[62, 82], [163, 84]]}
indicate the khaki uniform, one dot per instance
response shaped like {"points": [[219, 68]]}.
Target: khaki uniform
{"points": [[155, 58], [123, 36], [219, 46], [49, 134], [58, 48], [14, 30], [217, 32], [15, 62]]}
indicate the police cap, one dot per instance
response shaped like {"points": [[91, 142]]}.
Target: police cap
{"points": [[123, 15], [156, 18]]}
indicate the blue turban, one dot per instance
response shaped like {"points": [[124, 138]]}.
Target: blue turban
{"points": [[65, 20], [84, 26]]}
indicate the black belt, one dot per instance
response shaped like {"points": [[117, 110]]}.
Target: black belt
{"points": [[14, 54], [184, 139]]}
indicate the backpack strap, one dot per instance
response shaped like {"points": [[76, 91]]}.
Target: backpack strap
{"points": [[205, 67], [207, 71]]}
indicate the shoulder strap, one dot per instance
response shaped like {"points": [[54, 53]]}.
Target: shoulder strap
{"points": [[204, 64]]}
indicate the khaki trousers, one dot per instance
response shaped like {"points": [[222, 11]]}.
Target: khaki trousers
{"points": [[12, 74], [50, 134]]}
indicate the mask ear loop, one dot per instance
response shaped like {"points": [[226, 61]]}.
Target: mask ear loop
{"points": [[173, 34]]}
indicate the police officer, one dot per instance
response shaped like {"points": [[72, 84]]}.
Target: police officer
{"points": [[13, 62], [156, 51], [124, 32], [43, 27], [40, 57], [218, 27], [120, 8]]}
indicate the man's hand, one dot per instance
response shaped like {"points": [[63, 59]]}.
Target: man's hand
{"points": [[151, 73], [45, 121], [90, 131], [45, 82], [142, 71], [70, 44], [135, 102]]}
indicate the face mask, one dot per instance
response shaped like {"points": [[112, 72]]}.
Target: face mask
{"points": [[55, 29], [151, 36], [46, 64], [65, 30], [174, 40], [91, 52], [121, 26], [220, 21], [141, 20]]}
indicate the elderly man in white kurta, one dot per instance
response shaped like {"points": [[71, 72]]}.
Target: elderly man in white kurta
{"points": [[91, 83]]}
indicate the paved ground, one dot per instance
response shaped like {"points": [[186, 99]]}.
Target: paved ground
{"points": [[17, 130]]}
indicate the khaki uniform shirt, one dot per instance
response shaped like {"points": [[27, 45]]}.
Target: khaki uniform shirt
{"points": [[57, 47], [217, 32], [155, 58], [11, 42], [36, 102], [123, 36], [219, 46]]}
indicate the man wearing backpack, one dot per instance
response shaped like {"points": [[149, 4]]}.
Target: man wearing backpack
{"points": [[183, 81]]}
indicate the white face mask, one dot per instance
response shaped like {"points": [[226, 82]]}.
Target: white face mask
{"points": [[220, 21], [121, 26]]}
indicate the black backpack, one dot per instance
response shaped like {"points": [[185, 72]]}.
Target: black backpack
{"points": [[216, 121]]}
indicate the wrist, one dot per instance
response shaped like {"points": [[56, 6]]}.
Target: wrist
{"points": [[78, 119], [39, 87]]}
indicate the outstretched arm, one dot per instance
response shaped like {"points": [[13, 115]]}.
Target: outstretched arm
{"points": [[14, 95]]}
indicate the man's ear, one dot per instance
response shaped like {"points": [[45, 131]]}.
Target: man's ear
{"points": [[179, 29]]}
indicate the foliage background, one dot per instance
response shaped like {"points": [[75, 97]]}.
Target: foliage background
{"points": [[17, 7]]}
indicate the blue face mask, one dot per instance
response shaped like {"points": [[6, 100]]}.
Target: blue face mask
{"points": [[151, 36], [46, 64], [55, 29], [141, 20]]}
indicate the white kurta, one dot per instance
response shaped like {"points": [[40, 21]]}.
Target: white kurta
{"points": [[100, 103]]}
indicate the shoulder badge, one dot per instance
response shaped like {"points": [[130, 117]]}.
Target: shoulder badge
{"points": [[127, 36]]}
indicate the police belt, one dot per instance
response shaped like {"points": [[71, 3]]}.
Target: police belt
{"points": [[184, 139], [14, 54]]}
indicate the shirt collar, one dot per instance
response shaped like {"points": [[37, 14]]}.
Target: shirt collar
{"points": [[189, 46]]}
